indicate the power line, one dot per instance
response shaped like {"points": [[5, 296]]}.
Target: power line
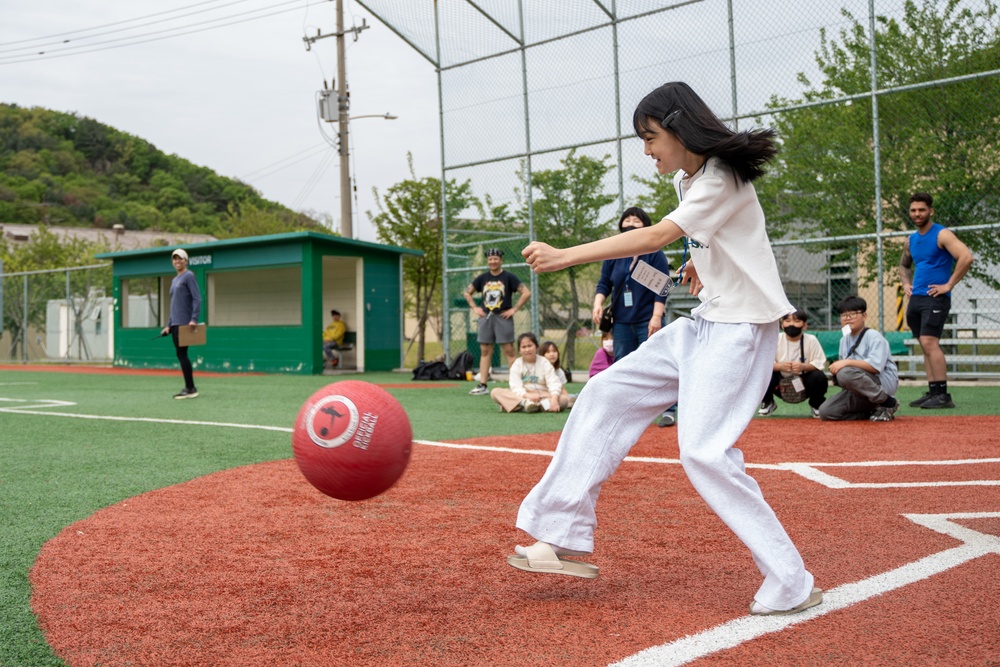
{"points": [[107, 25], [314, 179], [312, 152], [79, 50]]}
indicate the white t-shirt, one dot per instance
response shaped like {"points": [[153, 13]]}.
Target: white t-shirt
{"points": [[729, 246], [539, 376], [790, 351]]}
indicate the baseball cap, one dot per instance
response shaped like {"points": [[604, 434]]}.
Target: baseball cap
{"points": [[494, 251], [180, 252]]}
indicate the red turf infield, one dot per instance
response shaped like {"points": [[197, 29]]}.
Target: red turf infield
{"points": [[252, 566]]}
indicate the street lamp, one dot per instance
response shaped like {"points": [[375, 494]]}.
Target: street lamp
{"points": [[387, 116], [331, 109]]}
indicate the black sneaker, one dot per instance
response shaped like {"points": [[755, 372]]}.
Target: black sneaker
{"points": [[938, 401], [884, 414], [186, 393], [767, 408], [920, 401]]}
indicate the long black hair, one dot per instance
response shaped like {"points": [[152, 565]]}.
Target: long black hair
{"points": [[676, 108], [637, 212], [551, 344]]}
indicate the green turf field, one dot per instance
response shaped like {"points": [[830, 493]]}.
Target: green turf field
{"points": [[58, 469]]}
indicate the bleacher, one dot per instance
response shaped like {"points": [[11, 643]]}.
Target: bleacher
{"points": [[971, 342]]}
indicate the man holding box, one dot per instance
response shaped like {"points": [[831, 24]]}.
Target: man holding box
{"points": [[185, 307]]}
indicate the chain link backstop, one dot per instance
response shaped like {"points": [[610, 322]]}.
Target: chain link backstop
{"points": [[872, 100]]}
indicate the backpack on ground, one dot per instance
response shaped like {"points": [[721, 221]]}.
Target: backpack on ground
{"points": [[431, 370], [460, 366]]}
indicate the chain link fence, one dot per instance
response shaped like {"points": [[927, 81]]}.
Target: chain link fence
{"points": [[58, 315], [872, 100]]}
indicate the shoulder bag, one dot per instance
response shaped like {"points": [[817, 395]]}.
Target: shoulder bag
{"points": [[786, 388]]}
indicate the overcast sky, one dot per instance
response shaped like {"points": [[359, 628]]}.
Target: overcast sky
{"points": [[236, 93]]}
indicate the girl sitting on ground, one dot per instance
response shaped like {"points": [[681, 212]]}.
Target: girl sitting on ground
{"points": [[550, 351], [534, 385]]}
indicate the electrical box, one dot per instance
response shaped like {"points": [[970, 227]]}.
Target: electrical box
{"points": [[328, 105]]}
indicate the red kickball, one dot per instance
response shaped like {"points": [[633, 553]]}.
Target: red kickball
{"points": [[352, 440]]}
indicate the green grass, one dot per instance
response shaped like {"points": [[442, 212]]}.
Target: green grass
{"points": [[58, 470]]}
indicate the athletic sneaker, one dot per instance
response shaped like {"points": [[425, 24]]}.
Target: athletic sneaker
{"points": [[920, 401], [480, 390], [815, 412], [187, 393], [767, 408], [531, 407], [938, 401], [667, 419], [884, 414]]}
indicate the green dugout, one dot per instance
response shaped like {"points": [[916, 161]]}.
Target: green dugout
{"points": [[266, 300]]}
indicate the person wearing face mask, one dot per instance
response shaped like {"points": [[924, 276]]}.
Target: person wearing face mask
{"points": [[605, 355], [798, 367], [638, 312]]}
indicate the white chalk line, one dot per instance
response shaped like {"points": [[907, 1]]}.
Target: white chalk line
{"points": [[743, 629], [809, 471], [746, 628]]}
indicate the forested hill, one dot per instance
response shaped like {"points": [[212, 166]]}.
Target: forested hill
{"points": [[65, 170]]}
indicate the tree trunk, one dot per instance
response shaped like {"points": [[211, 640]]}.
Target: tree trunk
{"points": [[574, 322]]}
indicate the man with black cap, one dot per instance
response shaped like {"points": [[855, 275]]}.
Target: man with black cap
{"points": [[185, 307], [496, 314]]}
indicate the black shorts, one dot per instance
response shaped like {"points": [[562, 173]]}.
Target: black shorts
{"points": [[927, 315]]}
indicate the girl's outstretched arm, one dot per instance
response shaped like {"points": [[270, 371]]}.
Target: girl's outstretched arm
{"points": [[543, 258]]}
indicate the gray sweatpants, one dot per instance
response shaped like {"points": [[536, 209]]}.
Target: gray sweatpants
{"points": [[716, 373], [861, 392]]}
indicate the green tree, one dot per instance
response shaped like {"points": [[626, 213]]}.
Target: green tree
{"points": [[410, 217], [943, 140], [660, 197], [250, 220], [567, 208], [60, 169]]}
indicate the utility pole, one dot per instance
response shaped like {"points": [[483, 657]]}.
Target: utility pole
{"points": [[343, 117], [343, 107]]}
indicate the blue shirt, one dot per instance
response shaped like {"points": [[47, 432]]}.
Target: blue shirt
{"points": [[874, 349], [615, 277], [185, 299], [932, 265]]}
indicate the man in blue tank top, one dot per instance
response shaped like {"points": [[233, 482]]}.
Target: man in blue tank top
{"points": [[933, 262]]}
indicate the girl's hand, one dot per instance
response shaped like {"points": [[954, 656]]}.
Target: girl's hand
{"points": [[543, 258], [690, 275], [655, 324]]}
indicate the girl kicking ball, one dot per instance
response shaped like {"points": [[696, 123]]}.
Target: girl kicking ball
{"points": [[715, 366]]}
